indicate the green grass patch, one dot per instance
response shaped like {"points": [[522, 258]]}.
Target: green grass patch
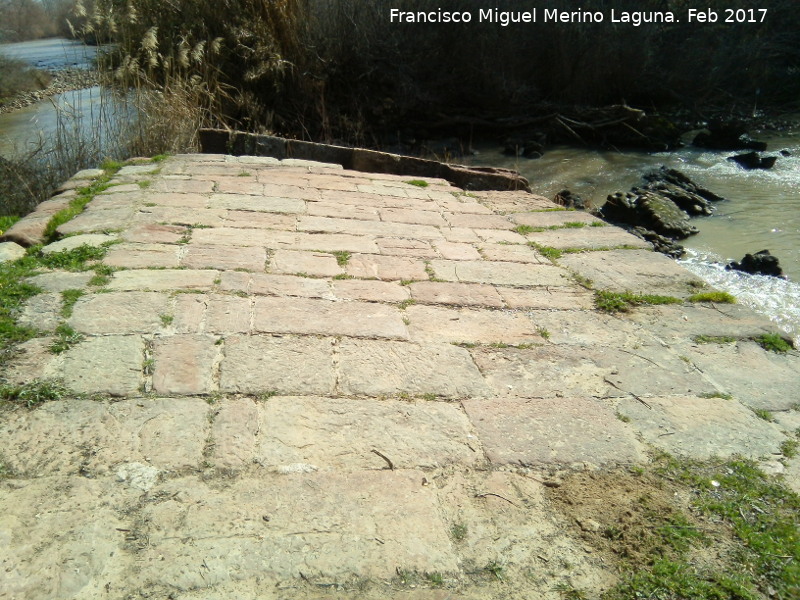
{"points": [[7, 221], [789, 448], [77, 259], [719, 297], [418, 183], [720, 395], [524, 229], [33, 393], [66, 337], [713, 339], [773, 342], [763, 414], [613, 302], [342, 257], [14, 291], [573, 225], [68, 300], [546, 251]]}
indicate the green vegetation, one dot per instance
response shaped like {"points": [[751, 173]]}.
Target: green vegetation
{"points": [[66, 337], [68, 300], [719, 297], [713, 339], [7, 221], [789, 448], [523, 229], [612, 302], [546, 251], [458, 532], [763, 414], [33, 393], [720, 395], [17, 77], [418, 183], [774, 343], [574, 225], [342, 257]]}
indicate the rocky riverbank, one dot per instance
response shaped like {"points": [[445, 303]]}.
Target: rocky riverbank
{"points": [[62, 81]]}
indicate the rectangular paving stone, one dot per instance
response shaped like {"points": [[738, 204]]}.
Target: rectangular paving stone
{"points": [[258, 203], [177, 200], [234, 431], [460, 235], [232, 236], [483, 221], [500, 236], [386, 368], [317, 264], [153, 233], [391, 268], [588, 328], [227, 314], [286, 365], [512, 253], [343, 211], [246, 219], [183, 364], [287, 285], [499, 273], [559, 298], [323, 317], [414, 217], [554, 218], [457, 294], [105, 365], [379, 520], [330, 242], [456, 251], [466, 206], [588, 238], [185, 186], [98, 220], [355, 227], [406, 247], [439, 324], [163, 279], [224, 257], [283, 190], [142, 256], [119, 313], [208, 217], [637, 271], [562, 431], [702, 428], [329, 433], [190, 313], [541, 372], [370, 291]]}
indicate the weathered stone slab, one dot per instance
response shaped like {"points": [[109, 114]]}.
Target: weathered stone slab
{"points": [[512, 253], [323, 317], [414, 217], [755, 377], [30, 230], [119, 312], [286, 365], [552, 431], [484, 221], [58, 281], [380, 519], [258, 203], [329, 434], [391, 268], [10, 251], [308, 263], [500, 236], [636, 271], [540, 372], [383, 368], [588, 328], [702, 428], [439, 324], [553, 298], [42, 312], [458, 206], [499, 273], [235, 429], [246, 219], [514, 201], [554, 218], [233, 236], [406, 247], [97, 220], [90, 239], [456, 251], [154, 233], [589, 238], [105, 365], [227, 314], [183, 186], [224, 257], [370, 291], [457, 294], [185, 202], [355, 227], [460, 234], [343, 211], [679, 323], [183, 364], [32, 360], [142, 256], [286, 285], [163, 279]]}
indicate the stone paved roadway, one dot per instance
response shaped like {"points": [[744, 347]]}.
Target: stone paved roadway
{"points": [[314, 376]]}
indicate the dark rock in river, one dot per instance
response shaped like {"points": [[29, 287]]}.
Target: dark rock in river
{"points": [[752, 160], [569, 200], [660, 243], [727, 135], [529, 148], [760, 263], [651, 210], [785, 153]]}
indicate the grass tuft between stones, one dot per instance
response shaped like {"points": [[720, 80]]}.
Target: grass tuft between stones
{"points": [[613, 302], [773, 342], [33, 393]]}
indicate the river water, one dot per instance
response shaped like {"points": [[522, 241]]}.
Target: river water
{"points": [[761, 209]]}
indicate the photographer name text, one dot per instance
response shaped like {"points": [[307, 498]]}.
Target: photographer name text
{"points": [[504, 18]]}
